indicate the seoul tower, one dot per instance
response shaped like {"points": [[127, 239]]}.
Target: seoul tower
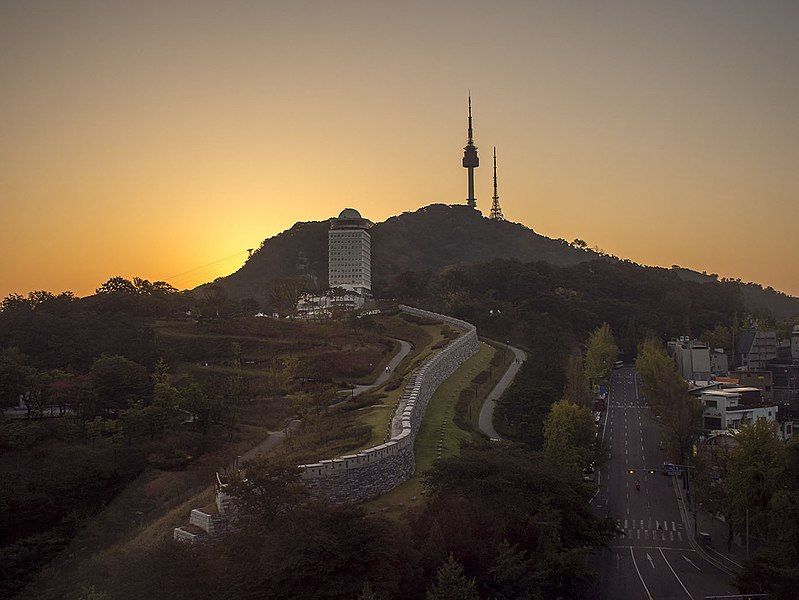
{"points": [[496, 211], [470, 160]]}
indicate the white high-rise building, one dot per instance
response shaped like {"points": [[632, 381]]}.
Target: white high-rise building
{"points": [[349, 252]]}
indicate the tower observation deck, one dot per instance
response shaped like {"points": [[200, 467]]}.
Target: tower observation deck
{"points": [[470, 160]]}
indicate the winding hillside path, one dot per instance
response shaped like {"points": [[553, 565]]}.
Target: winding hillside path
{"points": [[486, 418], [405, 348], [277, 437]]}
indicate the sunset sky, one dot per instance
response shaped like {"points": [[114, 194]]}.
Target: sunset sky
{"points": [[152, 138]]}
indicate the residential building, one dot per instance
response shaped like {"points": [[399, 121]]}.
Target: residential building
{"points": [[795, 343], [785, 377], [729, 408], [761, 380], [755, 348], [693, 358], [719, 365]]}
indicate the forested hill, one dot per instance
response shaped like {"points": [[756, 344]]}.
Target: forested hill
{"points": [[426, 239], [757, 299]]}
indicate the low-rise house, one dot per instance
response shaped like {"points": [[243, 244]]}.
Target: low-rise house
{"points": [[728, 408]]}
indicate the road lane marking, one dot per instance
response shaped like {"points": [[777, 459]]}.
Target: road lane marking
{"points": [[643, 583], [649, 558], [690, 562], [675, 574]]}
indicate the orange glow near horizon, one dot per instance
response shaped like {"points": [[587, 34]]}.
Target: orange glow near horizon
{"points": [[148, 141]]}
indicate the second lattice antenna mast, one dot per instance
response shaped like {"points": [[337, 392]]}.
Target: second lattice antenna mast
{"points": [[496, 211]]}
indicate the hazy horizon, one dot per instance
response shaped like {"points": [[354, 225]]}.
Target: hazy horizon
{"points": [[150, 139]]}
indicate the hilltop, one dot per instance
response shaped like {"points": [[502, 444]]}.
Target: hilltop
{"points": [[434, 237], [430, 238]]}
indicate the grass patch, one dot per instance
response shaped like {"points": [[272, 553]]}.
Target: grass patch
{"points": [[439, 435]]}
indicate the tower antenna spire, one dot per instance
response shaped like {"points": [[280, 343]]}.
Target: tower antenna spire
{"points": [[470, 160], [496, 211], [471, 135]]}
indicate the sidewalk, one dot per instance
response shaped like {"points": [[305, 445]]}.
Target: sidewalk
{"points": [[729, 557], [719, 536]]}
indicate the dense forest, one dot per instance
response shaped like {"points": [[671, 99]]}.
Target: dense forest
{"points": [[140, 380]]}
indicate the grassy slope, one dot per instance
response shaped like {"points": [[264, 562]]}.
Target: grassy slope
{"points": [[438, 429]]}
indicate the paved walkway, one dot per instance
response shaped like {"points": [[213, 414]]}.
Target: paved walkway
{"points": [[486, 419], [405, 348], [277, 437]]}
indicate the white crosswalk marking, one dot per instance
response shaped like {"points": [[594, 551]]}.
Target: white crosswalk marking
{"points": [[679, 535]]}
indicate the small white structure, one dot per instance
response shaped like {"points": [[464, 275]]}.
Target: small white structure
{"points": [[350, 253], [321, 307]]}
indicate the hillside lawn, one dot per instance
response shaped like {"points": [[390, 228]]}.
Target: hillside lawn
{"points": [[439, 428]]}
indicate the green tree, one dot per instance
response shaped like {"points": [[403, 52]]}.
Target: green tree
{"points": [[668, 395], [756, 468], [367, 593], [513, 576], [452, 584], [577, 389], [601, 354], [118, 382], [15, 375], [569, 436]]}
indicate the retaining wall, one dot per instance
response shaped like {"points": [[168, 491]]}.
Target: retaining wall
{"points": [[376, 470]]}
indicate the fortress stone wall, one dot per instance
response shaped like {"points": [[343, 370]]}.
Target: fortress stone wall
{"points": [[376, 470]]}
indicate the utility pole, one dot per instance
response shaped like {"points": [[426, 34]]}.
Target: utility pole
{"points": [[747, 532]]}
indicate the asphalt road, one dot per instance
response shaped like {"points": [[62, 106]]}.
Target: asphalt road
{"points": [[654, 559], [486, 418]]}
